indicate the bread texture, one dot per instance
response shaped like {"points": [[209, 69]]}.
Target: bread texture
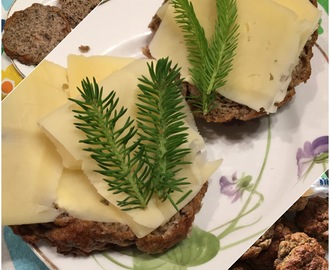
{"points": [[225, 110], [80, 237], [77, 10], [32, 33]]}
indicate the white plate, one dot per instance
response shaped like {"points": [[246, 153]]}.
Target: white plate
{"points": [[264, 149], [25, 70]]}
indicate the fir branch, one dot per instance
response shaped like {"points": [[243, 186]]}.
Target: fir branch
{"points": [[150, 164], [109, 146], [211, 60], [161, 127]]}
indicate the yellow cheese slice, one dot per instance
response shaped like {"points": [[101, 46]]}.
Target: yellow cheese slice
{"points": [[271, 38], [29, 160], [306, 14], [268, 51], [54, 124], [73, 186], [80, 67], [124, 82], [305, 10]]}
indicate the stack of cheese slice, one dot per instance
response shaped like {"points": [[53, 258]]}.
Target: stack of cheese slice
{"points": [[39, 174], [272, 34]]}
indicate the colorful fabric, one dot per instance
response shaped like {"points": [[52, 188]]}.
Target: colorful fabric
{"points": [[9, 75]]}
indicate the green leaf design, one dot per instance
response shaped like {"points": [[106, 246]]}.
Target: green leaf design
{"points": [[199, 248], [325, 5]]}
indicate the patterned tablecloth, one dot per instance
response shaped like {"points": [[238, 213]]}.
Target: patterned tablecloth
{"points": [[9, 76], [16, 255]]}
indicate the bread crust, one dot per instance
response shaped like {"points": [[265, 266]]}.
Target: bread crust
{"points": [[32, 33], [225, 110], [80, 237]]}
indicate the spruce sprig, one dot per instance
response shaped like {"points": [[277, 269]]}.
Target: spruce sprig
{"points": [[211, 60], [109, 144], [149, 165], [161, 127]]}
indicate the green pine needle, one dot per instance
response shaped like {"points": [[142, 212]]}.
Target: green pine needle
{"points": [[161, 124], [109, 144], [148, 166], [211, 60]]}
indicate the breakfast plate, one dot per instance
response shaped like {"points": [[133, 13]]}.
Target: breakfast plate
{"points": [[268, 163]]}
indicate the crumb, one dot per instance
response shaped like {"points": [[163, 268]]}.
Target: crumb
{"points": [[84, 48], [65, 86]]}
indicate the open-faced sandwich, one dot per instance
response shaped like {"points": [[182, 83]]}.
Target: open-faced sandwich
{"points": [[121, 164], [241, 59]]}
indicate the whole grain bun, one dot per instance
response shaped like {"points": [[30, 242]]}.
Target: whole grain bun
{"points": [[226, 110], [77, 10], [80, 237], [32, 33]]}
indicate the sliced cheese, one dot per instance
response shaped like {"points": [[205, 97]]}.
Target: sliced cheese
{"points": [[80, 67], [73, 186], [305, 10], [269, 45], [54, 130], [124, 82], [271, 37], [31, 168]]}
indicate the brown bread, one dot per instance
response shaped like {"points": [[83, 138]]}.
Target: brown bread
{"points": [[79, 237], [32, 33], [77, 10]]}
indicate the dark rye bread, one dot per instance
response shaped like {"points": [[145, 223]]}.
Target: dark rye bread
{"points": [[226, 110], [80, 238], [32, 33], [77, 10]]}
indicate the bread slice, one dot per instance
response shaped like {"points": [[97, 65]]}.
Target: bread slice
{"points": [[32, 33], [226, 110], [80, 237], [77, 10]]}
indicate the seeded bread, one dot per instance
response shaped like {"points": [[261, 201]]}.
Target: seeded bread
{"points": [[32, 33], [77, 10], [80, 237], [226, 110]]}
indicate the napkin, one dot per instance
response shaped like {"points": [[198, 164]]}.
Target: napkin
{"points": [[17, 255]]}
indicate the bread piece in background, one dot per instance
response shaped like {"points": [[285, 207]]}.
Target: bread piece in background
{"points": [[30, 34], [77, 10]]}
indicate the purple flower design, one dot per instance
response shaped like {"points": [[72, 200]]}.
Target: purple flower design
{"points": [[235, 187], [312, 153]]}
